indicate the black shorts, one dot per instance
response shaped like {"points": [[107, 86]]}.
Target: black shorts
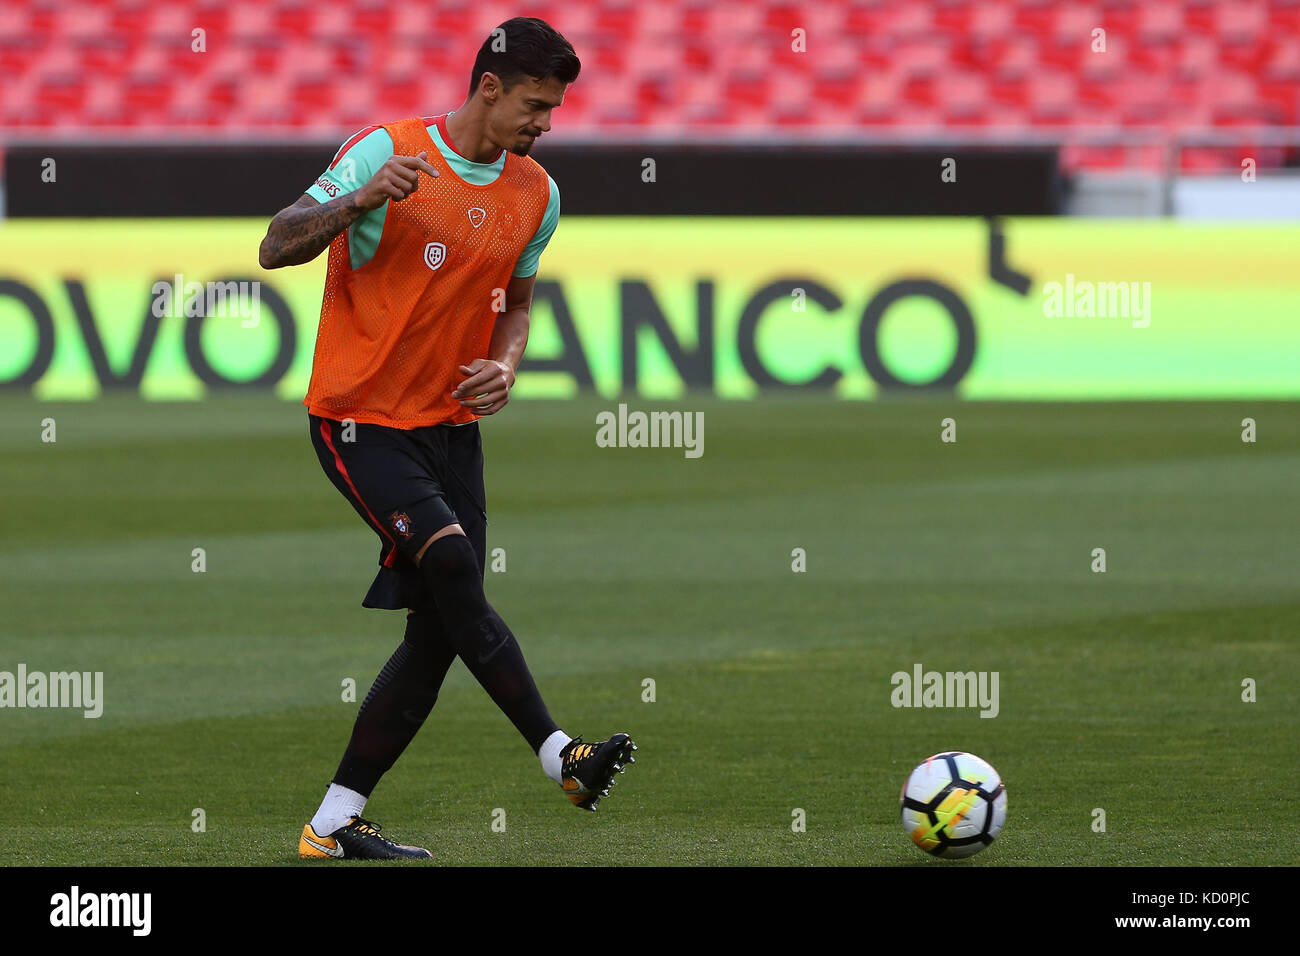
{"points": [[406, 485]]}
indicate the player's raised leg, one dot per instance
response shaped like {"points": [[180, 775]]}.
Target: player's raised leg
{"points": [[452, 573]]}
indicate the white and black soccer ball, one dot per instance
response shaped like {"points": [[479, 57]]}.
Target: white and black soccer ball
{"points": [[953, 805]]}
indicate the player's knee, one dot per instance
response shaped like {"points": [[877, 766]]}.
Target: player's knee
{"points": [[441, 533], [449, 558]]}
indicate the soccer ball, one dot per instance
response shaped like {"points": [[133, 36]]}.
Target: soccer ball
{"points": [[953, 805]]}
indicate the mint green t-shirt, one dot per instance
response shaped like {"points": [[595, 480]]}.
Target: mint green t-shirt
{"points": [[354, 165]]}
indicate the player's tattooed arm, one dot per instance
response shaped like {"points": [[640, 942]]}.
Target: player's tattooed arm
{"points": [[299, 233]]}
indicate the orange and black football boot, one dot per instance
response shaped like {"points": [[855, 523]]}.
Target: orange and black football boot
{"points": [[588, 769], [358, 840]]}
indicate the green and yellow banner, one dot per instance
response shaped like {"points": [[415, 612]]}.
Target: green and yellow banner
{"points": [[1017, 309]]}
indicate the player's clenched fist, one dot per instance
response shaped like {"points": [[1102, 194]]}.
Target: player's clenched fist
{"points": [[487, 388], [396, 179]]}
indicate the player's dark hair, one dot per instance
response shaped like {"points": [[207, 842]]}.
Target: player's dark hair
{"points": [[525, 46]]}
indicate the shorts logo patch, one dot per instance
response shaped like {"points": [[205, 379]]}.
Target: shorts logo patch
{"points": [[401, 523]]}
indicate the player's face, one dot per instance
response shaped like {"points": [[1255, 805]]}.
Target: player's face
{"points": [[524, 113]]}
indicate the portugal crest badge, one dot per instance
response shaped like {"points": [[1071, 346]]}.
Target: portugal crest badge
{"points": [[435, 254], [401, 523]]}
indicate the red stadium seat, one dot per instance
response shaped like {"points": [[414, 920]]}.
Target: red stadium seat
{"points": [[328, 66]]}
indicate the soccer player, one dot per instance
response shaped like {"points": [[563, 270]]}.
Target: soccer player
{"points": [[434, 227]]}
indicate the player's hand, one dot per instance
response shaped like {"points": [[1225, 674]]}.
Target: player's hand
{"points": [[486, 389], [395, 180]]}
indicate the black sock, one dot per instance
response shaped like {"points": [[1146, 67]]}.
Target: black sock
{"points": [[451, 573], [398, 702]]}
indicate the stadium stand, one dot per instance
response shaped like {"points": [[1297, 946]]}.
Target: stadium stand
{"points": [[671, 68]]}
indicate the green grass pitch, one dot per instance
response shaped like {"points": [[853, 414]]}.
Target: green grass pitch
{"points": [[1119, 690]]}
